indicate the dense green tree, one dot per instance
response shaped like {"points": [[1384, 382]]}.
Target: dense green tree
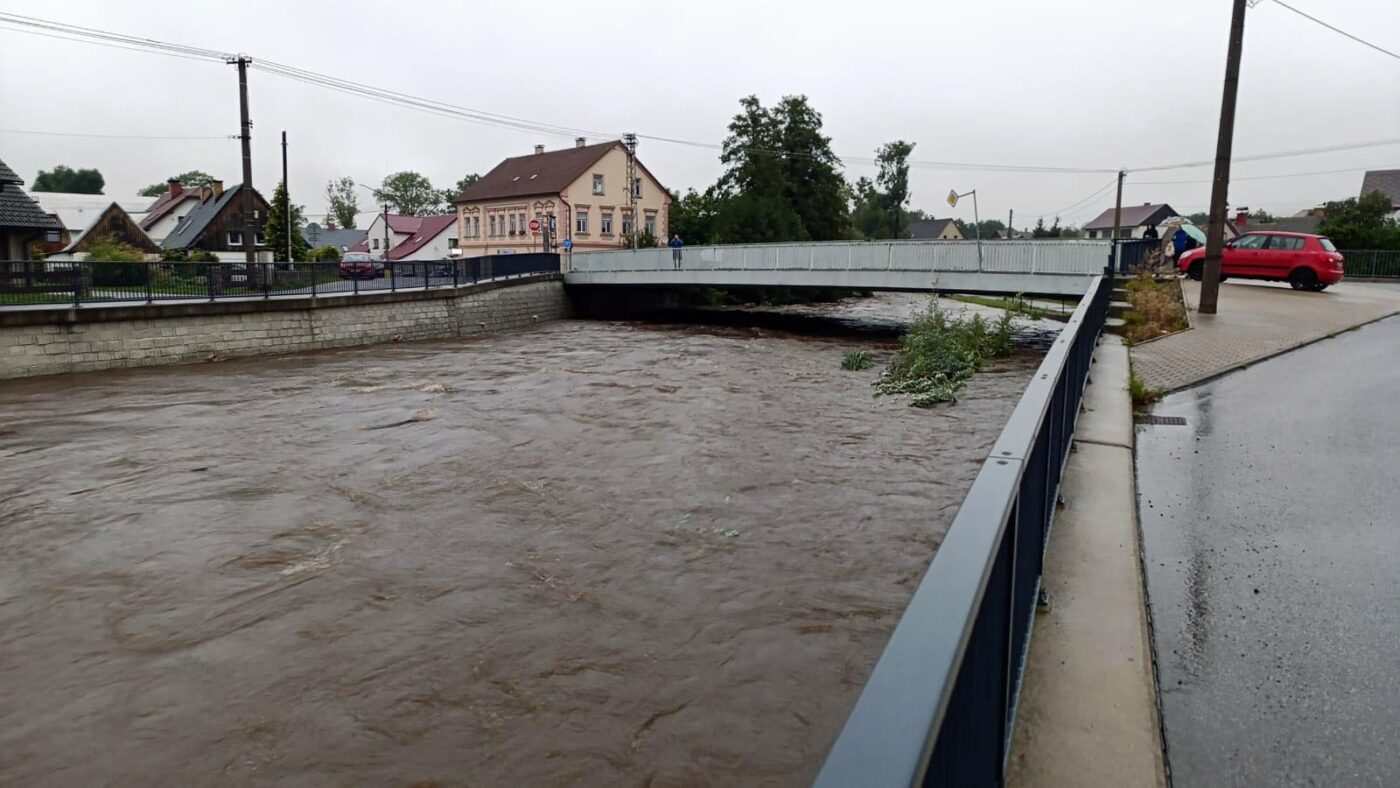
{"points": [[66, 179], [1262, 217], [410, 193], [990, 228], [279, 214], [1365, 223], [1199, 217], [465, 182], [693, 217], [757, 218], [814, 186], [893, 178], [190, 180], [343, 201]]}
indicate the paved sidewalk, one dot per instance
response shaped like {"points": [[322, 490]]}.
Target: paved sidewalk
{"points": [[1256, 320]]}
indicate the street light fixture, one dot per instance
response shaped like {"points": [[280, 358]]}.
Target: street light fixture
{"points": [[953, 197]]}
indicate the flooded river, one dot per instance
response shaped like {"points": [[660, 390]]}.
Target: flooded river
{"points": [[591, 553]]}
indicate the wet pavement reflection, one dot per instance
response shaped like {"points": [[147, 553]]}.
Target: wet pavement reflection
{"points": [[592, 553]]}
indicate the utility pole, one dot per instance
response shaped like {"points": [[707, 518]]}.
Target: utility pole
{"points": [[1117, 223], [250, 227], [630, 142], [1010, 212], [286, 192], [1215, 234], [385, 256]]}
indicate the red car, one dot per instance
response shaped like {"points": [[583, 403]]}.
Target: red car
{"points": [[1307, 262]]}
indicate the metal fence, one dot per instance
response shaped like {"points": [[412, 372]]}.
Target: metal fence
{"points": [[940, 705], [1130, 254], [1372, 263], [1021, 257], [31, 282]]}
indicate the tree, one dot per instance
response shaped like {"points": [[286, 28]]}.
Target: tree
{"points": [[464, 183], [66, 179], [757, 218], [1263, 217], [893, 178], [990, 228], [1040, 230], [410, 193], [325, 254], [814, 186], [1199, 217], [279, 215], [190, 180], [693, 217], [1365, 223], [343, 201]]}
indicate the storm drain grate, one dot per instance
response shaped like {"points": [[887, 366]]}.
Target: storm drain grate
{"points": [[1174, 421]]}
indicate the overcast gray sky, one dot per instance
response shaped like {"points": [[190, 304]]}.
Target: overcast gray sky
{"points": [[1075, 83]]}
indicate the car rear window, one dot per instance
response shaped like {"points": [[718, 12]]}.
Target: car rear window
{"points": [[1286, 243], [1327, 244]]}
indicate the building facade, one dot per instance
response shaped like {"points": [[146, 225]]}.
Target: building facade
{"points": [[580, 192]]}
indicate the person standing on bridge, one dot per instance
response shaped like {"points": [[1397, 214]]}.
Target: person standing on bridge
{"points": [[676, 243]]}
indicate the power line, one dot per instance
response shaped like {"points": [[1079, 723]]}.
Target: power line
{"points": [[111, 136], [1077, 203], [1277, 155], [1267, 177], [1338, 30]]}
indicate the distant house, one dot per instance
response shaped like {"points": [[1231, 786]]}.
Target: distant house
{"points": [[22, 221], [583, 190], [216, 224], [936, 229], [1133, 223], [317, 236], [1386, 182], [376, 240], [88, 218], [436, 236], [162, 216]]}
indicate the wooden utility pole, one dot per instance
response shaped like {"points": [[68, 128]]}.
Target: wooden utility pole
{"points": [[1010, 212], [1117, 222], [286, 192], [250, 227], [1220, 188]]}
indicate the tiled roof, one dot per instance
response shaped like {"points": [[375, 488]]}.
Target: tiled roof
{"points": [[8, 175], [1289, 224], [18, 209], [1386, 182], [317, 236], [538, 173], [430, 228], [187, 232], [1132, 216], [928, 228], [164, 205]]}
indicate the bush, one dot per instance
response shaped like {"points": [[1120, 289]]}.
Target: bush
{"points": [[1157, 308], [325, 254], [857, 360], [116, 265], [941, 351]]}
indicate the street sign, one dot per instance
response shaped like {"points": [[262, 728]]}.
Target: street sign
{"points": [[952, 198], [534, 225], [568, 244]]}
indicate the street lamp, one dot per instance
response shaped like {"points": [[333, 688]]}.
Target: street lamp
{"points": [[953, 197]]}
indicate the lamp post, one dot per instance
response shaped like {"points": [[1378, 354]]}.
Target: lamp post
{"points": [[953, 198]]}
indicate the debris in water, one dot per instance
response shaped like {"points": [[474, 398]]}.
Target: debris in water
{"points": [[730, 532], [424, 414], [433, 388]]}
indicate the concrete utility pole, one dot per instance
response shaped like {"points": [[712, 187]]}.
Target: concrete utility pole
{"points": [[1010, 212], [1215, 233], [629, 141], [1117, 222], [250, 227], [286, 191]]}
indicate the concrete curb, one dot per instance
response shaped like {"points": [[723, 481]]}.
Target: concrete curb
{"points": [[1088, 710]]}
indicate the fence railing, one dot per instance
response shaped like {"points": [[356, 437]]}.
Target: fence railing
{"points": [[1129, 254], [38, 282], [1021, 257], [1372, 263], [940, 705]]}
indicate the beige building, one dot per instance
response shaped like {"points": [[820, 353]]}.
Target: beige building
{"points": [[583, 190]]}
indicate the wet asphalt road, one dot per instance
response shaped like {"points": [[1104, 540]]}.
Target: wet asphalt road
{"points": [[1271, 532]]}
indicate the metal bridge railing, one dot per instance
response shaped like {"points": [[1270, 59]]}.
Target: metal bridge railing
{"points": [[940, 705], [1020, 257], [74, 283], [1371, 263]]}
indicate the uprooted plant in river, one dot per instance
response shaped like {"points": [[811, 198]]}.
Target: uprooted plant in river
{"points": [[941, 351]]}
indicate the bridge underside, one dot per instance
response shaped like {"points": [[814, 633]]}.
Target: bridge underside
{"points": [[988, 282]]}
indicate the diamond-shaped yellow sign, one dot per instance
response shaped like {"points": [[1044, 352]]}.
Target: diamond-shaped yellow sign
{"points": [[952, 198]]}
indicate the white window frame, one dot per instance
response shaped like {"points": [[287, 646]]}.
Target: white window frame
{"points": [[637, 186], [581, 222], [599, 185], [605, 222], [259, 239], [230, 235], [512, 224], [626, 223], [650, 224]]}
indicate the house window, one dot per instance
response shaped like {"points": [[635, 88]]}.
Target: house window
{"points": [[476, 226], [259, 240], [651, 223], [51, 236], [233, 238], [492, 228], [374, 241], [597, 184], [452, 243], [1093, 233], [627, 224], [605, 223], [636, 187], [523, 224], [581, 223], [512, 224], [1125, 232]]}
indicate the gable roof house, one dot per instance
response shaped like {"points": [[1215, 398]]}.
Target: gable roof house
{"points": [[86, 218], [166, 212], [1386, 182], [435, 236], [215, 225], [941, 229], [582, 189], [22, 221], [1134, 222], [376, 241], [317, 236]]}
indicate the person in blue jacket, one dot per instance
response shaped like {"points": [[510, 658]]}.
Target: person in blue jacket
{"points": [[676, 243], [1180, 241]]}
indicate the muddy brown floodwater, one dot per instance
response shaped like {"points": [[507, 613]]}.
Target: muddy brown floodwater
{"points": [[591, 553]]}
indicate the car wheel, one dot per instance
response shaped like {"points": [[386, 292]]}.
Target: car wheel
{"points": [[1318, 288], [1196, 270], [1303, 279]]}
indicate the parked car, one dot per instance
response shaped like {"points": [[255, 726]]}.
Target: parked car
{"points": [[360, 265], [1307, 262]]}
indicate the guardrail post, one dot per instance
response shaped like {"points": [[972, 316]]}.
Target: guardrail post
{"points": [[78, 275], [211, 270], [889, 257], [150, 275], [315, 273], [393, 279]]}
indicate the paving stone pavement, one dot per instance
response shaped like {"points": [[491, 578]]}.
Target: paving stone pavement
{"points": [[1256, 320]]}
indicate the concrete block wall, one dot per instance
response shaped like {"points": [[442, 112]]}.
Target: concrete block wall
{"points": [[67, 340]]}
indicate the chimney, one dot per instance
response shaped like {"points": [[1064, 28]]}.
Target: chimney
{"points": [[218, 189], [1242, 217], [539, 149], [204, 193], [176, 188], [330, 224], [579, 142]]}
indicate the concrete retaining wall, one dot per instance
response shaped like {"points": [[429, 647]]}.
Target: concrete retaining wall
{"points": [[51, 341]]}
